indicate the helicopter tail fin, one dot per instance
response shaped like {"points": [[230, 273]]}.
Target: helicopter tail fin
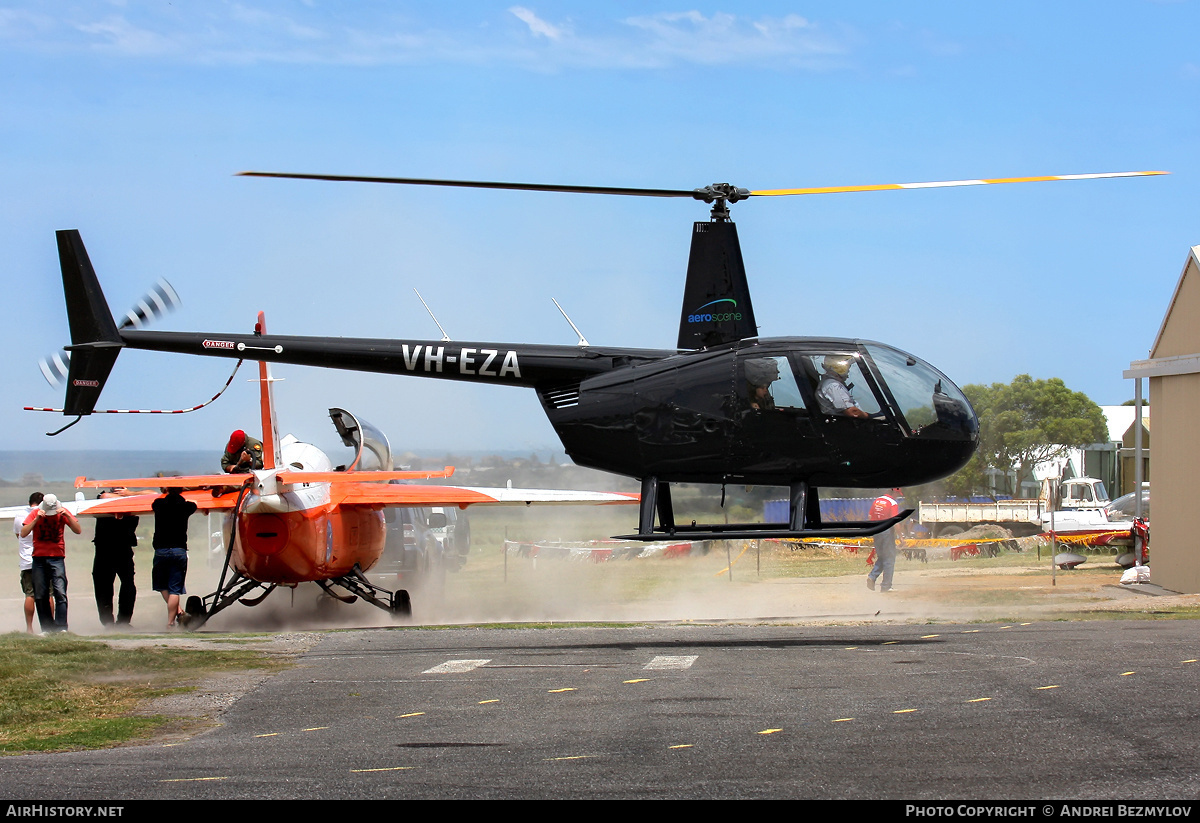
{"points": [[716, 298], [95, 340]]}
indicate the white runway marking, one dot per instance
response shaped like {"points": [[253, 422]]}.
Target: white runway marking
{"points": [[456, 666], [671, 661]]}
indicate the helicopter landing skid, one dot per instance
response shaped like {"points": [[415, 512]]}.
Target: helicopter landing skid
{"points": [[197, 610], [765, 531], [805, 520], [396, 603]]}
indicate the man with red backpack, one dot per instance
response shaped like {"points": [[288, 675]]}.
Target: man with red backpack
{"points": [[47, 523]]}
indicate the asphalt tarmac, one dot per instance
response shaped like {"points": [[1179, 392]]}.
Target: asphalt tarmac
{"points": [[1035, 711]]}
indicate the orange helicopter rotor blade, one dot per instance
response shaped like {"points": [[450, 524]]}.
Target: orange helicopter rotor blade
{"points": [[951, 183]]}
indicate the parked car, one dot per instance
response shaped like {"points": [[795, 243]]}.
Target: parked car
{"points": [[455, 536], [414, 556]]}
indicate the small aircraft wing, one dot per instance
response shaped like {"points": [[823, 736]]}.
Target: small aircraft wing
{"points": [[195, 481], [130, 504], [380, 494], [141, 503]]}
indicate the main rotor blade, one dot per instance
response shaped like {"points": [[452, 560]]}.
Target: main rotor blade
{"points": [[476, 184], [950, 183]]}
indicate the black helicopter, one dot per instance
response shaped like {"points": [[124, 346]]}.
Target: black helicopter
{"points": [[725, 406]]}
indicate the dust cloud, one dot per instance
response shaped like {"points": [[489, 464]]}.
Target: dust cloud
{"points": [[770, 582]]}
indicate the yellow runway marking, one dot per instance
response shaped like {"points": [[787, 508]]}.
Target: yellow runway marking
{"points": [[316, 728], [639, 680], [971, 631], [191, 779], [572, 757], [410, 714], [272, 734], [843, 720], [1043, 688], [560, 691], [929, 636], [891, 642], [681, 746], [850, 648], [1006, 627], [979, 700], [493, 700], [1193, 660], [770, 731], [1126, 674], [388, 769], [904, 711], [1026, 624]]}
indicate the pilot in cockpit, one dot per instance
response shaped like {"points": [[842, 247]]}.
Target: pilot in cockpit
{"points": [[833, 392]]}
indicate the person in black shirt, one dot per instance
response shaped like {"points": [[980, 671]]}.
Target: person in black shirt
{"points": [[116, 535], [171, 513]]}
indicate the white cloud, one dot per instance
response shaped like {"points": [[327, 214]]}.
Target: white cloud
{"points": [[727, 38], [536, 24], [119, 35], [261, 31]]}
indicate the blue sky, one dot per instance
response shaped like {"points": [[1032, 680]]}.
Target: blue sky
{"points": [[127, 120]]}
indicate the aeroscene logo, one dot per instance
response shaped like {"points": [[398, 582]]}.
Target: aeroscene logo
{"points": [[702, 316]]}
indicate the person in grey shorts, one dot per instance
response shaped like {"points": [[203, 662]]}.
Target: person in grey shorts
{"points": [[25, 560]]}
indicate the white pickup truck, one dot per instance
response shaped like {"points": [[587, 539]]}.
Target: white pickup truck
{"points": [[1021, 517]]}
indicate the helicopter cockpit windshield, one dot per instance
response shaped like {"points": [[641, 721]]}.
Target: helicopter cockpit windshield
{"points": [[931, 405]]}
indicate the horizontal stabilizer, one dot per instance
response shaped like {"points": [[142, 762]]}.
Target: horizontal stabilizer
{"points": [[362, 477]]}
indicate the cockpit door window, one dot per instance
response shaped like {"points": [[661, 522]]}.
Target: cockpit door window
{"points": [[841, 385], [770, 385]]}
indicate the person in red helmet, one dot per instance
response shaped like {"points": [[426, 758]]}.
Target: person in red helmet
{"points": [[242, 454], [885, 507]]}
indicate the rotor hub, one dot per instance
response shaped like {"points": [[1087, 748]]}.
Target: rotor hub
{"points": [[720, 195]]}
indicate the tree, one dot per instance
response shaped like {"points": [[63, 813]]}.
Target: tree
{"points": [[1025, 423]]}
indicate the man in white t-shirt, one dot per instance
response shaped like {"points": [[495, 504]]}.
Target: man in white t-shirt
{"points": [[25, 559]]}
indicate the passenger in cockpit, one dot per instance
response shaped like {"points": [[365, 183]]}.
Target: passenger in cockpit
{"points": [[761, 372], [834, 393]]}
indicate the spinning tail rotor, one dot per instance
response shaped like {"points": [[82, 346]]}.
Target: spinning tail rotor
{"points": [[156, 303]]}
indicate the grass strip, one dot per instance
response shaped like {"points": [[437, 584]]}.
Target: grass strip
{"points": [[64, 693]]}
